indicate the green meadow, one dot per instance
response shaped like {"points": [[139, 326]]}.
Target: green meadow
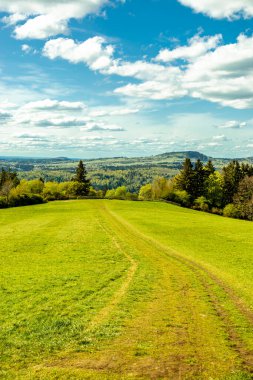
{"points": [[98, 289]]}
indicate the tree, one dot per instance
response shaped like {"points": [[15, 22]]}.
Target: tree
{"points": [[209, 169], [198, 179], [9, 176], [232, 175], [214, 189], [184, 180], [8, 181], [81, 177], [145, 193], [243, 199]]}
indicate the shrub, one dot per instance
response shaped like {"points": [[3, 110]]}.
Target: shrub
{"points": [[25, 200], [182, 197], [131, 196], [121, 192], [110, 194], [216, 210], [231, 211], [201, 203], [145, 193]]}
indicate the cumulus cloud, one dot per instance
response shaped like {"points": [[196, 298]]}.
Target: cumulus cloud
{"points": [[220, 138], [119, 111], [48, 104], [213, 72], [233, 124], [225, 75], [196, 47], [98, 56], [41, 27], [155, 90], [95, 127], [45, 18], [92, 52], [61, 122], [231, 9]]}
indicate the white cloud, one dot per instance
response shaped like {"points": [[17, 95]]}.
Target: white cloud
{"points": [[223, 75], [155, 90], [95, 127], [41, 27], [220, 138], [49, 104], [196, 47], [92, 52], [45, 18], [233, 124], [116, 111], [213, 144], [26, 48], [231, 9], [60, 122]]}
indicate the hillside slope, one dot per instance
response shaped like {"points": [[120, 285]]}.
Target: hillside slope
{"points": [[111, 290]]}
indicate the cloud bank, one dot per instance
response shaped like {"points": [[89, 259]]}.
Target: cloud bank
{"points": [[230, 9], [39, 19], [206, 69]]}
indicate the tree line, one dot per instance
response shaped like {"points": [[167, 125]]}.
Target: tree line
{"points": [[15, 192], [199, 186]]}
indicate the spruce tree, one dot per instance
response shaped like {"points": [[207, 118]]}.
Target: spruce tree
{"points": [[209, 169], [198, 180], [232, 175], [184, 180], [81, 178]]}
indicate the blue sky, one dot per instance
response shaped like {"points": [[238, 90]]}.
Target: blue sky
{"points": [[100, 78]]}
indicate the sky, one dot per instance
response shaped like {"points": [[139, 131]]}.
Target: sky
{"points": [[107, 78]]}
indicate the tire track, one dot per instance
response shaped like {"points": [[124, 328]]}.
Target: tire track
{"points": [[119, 294], [208, 281]]}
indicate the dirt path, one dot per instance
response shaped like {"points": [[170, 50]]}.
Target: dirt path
{"points": [[190, 327]]}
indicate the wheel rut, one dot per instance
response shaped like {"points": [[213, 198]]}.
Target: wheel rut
{"points": [[167, 339], [105, 313], [208, 281]]}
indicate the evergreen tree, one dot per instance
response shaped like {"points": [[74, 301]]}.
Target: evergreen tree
{"points": [[81, 178], [184, 180], [198, 179], [243, 199], [209, 169], [232, 174]]}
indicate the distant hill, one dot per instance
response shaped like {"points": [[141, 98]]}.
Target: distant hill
{"points": [[112, 172]]}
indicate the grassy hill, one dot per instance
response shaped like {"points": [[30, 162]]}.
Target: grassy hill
{"points": [[109, 172], [124, 290]]}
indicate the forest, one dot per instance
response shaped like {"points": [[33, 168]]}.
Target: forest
{"points": [[200, 186]]}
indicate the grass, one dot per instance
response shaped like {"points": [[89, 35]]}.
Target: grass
{"points": [[121, 290]]}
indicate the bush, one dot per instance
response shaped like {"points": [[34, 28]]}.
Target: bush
{"points": [[182, 197], [231, 211], [121, 192], [110, 194], [25, 200], [145, 193], [131, 196], [216, 210], [54, 191], [201, 203]]}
